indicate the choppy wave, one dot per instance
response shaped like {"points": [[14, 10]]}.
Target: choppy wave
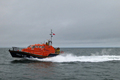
{"points": [[74, 58]]}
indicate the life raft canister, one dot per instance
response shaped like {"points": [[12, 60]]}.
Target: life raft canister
{"points": [[57, 50]]}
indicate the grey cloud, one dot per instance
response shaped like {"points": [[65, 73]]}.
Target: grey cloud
{"points": [[75, 22]]}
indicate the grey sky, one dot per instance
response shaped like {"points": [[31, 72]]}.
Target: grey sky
{"points": [[76, 23]]}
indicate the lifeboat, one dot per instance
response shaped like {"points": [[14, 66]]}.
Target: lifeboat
{"points": [[36, 51]]}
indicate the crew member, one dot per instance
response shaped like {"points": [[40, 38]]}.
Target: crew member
{"points": [[46, 43]]}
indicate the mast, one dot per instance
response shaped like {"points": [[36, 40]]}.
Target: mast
{"points": [[51, 36]]}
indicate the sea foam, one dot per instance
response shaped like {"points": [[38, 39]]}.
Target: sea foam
{"points": [[74, 58]]}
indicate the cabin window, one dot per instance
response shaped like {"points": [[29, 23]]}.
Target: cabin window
{"points": [[33, 47], [36, 46], [39, 46], [42, 46]]}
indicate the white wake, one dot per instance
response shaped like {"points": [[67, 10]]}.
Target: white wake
{"points": [[74, 58]]}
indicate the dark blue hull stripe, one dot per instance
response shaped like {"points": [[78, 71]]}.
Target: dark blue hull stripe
{"points": [[19, 54]]}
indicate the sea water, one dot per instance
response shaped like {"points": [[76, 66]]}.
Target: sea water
{"points": [[73, 64]]}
